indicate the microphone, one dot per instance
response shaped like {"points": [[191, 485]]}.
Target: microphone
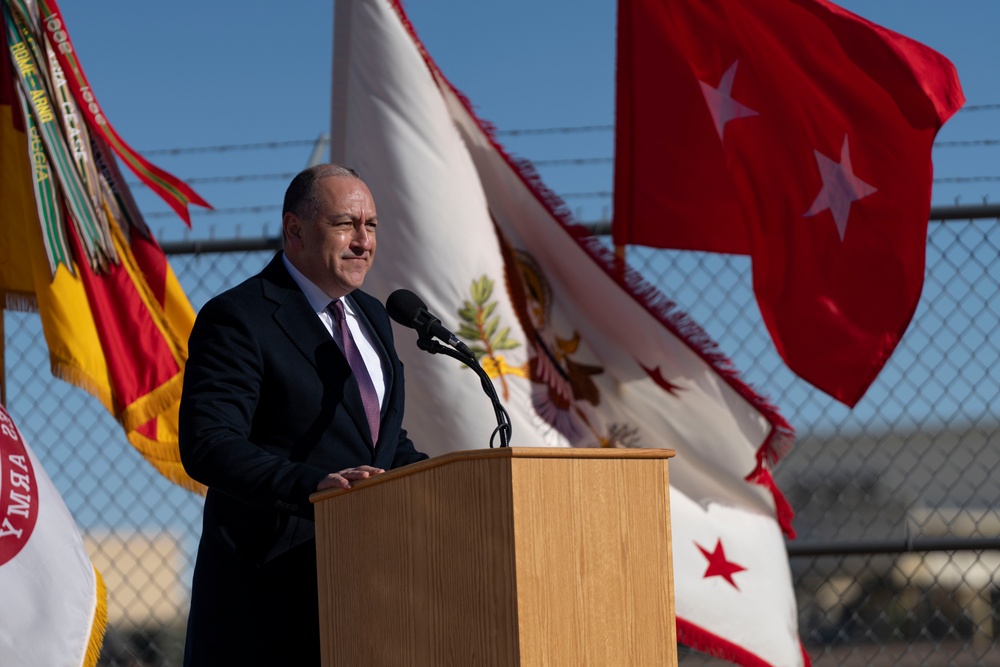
{"points": [[407, 309]]}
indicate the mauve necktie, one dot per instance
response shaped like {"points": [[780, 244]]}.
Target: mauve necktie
{"points": [[368, 395]]}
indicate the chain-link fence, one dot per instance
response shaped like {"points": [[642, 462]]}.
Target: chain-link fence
{"points": [[898, 500], [883, 490]]}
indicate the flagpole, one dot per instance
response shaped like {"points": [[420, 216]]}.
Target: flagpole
{"points": [[3, 352], [619, 261]]}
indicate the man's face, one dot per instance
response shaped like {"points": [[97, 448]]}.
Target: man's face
{"points": [[336, 247]]}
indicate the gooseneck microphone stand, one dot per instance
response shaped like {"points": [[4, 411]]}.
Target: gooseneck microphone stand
{"points": [[504, 428]]}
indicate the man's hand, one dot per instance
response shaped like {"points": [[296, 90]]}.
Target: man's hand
{"points": [[343, 479]]}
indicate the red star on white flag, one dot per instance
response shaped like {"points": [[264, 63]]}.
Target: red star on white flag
{"points": [[718, 566]]}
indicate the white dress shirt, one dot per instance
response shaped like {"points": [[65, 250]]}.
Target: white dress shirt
{"points": [[363, 339]]}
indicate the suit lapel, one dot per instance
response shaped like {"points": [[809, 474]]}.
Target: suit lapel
{"points": [[292, 312], [297, 320]]}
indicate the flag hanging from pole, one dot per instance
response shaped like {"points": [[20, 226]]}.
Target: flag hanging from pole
{"points": [[797, 133], [175, 192], [54, 607], [75, 248], [581, 352]]}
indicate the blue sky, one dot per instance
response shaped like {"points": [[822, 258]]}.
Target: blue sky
{"points": [[191, 74]]}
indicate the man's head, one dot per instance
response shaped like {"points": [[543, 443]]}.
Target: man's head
{"points": [[329, 221]]}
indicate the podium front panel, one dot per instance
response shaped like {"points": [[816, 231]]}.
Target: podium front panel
{"points": [[594, 565], [501, 557]]}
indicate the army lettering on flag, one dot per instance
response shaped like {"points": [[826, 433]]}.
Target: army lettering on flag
{"points": [[797, 133], [54, 606], [581, 354]]}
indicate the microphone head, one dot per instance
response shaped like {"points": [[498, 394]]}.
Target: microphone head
{"points": [[405, 307]]}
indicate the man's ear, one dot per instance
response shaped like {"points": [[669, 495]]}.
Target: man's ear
{"points": [[291, 226]]}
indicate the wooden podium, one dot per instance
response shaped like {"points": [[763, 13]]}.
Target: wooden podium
{"points": [[514, 556]]}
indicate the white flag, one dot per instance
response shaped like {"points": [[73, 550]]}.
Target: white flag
{"points": [[581, 353], [53, 606]]}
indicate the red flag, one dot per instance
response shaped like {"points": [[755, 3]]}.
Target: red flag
{"points": [[798, 133]]}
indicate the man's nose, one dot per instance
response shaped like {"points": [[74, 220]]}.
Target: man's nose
{"points": [[362, 236]]}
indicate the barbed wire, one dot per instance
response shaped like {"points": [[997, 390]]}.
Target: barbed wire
{"points": [[222, 148], [572, 161], [286, 176], [966, 143], [551, 162], [586, 195], [967, 179], [562, 162], [577, 129], [941, 180], [597, 194], [555, 130], [264, 208]]}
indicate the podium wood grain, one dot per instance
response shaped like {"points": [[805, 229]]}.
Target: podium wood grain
{"points": [[501, 557]]}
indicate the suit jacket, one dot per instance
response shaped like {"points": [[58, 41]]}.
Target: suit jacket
{"points": [[269, 408]]}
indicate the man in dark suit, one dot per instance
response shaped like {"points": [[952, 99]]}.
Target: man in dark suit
{"points": [[278, 403]]}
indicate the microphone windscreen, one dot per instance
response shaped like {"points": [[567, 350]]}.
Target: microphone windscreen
{"points": [[403, 306]]}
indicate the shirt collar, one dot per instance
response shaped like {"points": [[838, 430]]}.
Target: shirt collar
{"points": [[316, 297]]}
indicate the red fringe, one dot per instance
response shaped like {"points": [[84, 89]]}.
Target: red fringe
{"points": [[782, 508], [702, 640], [780, 439]]}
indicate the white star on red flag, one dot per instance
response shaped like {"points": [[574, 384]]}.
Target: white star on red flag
{"points": [[721, 103], [840, 188]]}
